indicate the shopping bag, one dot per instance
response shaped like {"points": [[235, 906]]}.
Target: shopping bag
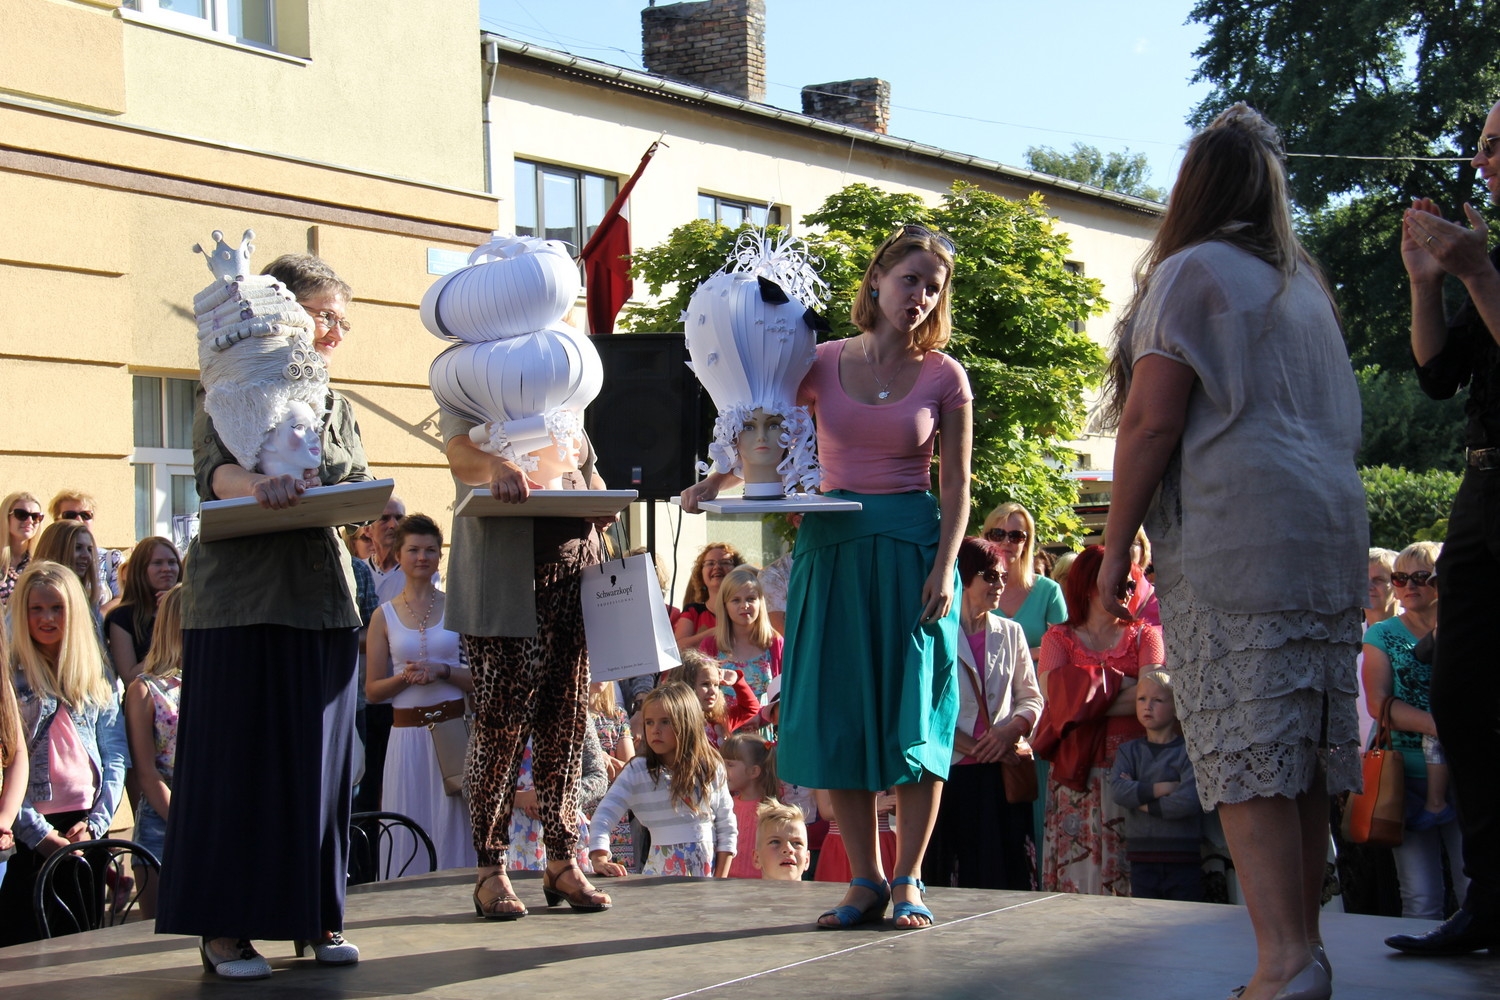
{"points": [[625, 620], [1377, 813]]}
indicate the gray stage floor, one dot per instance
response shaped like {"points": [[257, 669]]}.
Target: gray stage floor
{"points": [[742, 939]]}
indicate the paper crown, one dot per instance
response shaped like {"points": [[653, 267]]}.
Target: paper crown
{"points": [[517, 371], [751, 331], [255, 350], [511, 285]]}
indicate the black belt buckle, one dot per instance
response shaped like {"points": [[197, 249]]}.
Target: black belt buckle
{"points": [[1482, 459]]}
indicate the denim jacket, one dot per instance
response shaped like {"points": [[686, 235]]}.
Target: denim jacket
{"points": [[102, 732]]}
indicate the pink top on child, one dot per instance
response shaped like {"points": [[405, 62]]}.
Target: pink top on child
{"points": [[906, 428], [743, 865]]}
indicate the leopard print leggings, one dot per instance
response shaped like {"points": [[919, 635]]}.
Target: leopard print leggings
{"points": [[532, 688]]}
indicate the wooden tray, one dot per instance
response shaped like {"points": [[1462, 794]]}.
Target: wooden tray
{"points": [[320, 507], [801, 504], [549, 503]]}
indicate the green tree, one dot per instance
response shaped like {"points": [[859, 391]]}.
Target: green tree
{"points": [[1404, 506], [1125, 172], [1403, 427], [1017, 315], [1364, 91]]}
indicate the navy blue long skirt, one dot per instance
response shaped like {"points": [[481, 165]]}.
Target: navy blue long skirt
{"points": [[258, 833]]}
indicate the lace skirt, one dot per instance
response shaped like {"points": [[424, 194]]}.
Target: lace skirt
{"points": [[1263, 697]]}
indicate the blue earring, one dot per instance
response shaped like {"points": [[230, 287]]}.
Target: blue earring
{"points": [[874, 293]]}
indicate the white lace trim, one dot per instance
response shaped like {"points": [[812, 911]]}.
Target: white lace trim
{"points": [[1250, 689]]}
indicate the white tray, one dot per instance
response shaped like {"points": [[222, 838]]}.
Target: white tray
{"points": [[319, 507], [800, 504], [549, 503]]}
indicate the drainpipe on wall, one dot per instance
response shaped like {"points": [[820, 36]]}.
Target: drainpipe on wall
{"points": [[491, 55]]}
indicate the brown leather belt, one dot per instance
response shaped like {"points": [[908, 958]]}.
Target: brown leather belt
{"points": [[405, 718], [1482, 459]]}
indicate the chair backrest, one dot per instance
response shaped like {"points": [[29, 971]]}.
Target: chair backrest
{"points": [[385, 845], [91, 885]]}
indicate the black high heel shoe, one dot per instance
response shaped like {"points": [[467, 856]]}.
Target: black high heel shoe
{"points": [[584, 899]]}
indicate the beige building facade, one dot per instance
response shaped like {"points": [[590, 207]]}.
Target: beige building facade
{"points": [[129, 132]]}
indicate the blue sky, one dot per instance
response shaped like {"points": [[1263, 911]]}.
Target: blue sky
{"points": [[987, 77]]}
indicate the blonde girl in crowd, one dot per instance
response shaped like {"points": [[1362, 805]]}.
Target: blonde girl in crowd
{"points": [[743, 638], [151, 706], [23, 520], [696, 622], [677, 789], [75, 734], [708, 679]]}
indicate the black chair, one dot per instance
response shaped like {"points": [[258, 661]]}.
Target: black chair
{"points": [[376, 853], [91, 885]]}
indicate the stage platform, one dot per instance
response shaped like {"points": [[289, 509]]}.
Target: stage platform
{"points": [[745, 940]]}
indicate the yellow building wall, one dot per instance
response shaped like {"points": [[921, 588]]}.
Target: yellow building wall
{"points": [[28, 69]]}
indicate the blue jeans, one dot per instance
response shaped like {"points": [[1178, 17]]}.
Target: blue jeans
{"points": [[150, 829], [1419, 860]]}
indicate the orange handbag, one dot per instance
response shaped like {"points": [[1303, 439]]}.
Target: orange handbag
{"points": [[1377, 814]]}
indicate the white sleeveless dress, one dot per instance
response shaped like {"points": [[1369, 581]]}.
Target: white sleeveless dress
{"points": [[413, 781]]}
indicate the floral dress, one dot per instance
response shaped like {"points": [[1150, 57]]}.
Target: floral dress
{"points": [[611, 730]]}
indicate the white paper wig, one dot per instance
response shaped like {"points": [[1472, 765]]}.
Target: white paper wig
{"points": [[524, 391], [512, 285], [751, 331], [255, 350]]}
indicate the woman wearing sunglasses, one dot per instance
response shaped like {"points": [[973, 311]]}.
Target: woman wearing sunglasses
{"points": [[1087, 670], [1034, 602], [870, 684], [23, 519], [982, 840], [1393, 670]]}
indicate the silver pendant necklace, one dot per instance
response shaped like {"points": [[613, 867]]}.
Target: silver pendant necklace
{"points": [[884, 387]]}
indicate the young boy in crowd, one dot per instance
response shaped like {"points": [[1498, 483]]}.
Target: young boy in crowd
{"points": [[1153, 779], [780, 842]]}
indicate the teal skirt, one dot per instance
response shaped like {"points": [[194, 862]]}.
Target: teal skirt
{"points": [[869, 695]]}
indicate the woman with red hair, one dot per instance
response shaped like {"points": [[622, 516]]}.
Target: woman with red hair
{"points": [[1087, 670]]}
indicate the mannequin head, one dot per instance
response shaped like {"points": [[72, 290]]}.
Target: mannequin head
{"points": [[291, 447], [555, 460], [760, 451]]}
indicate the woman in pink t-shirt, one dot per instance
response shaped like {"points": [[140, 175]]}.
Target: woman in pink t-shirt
{"points": [[870, 694]]}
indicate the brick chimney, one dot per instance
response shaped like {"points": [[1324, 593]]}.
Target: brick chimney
{"points": [[863, 103], [716, 44]]}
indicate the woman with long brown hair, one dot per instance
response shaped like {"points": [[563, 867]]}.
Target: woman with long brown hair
{"points": [[153, 569], [1239, 419]]}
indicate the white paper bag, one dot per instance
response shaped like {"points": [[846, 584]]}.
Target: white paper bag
{"points": [[625, 620]]}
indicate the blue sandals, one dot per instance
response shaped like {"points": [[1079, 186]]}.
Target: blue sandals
{"points": [[909, 910], [850, 915]]}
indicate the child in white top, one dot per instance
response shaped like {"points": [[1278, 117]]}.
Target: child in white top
{"points": [[678, 791]]}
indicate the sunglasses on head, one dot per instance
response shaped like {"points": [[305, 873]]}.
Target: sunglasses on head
{"points": [[1000, 535], [34, 516], [914, 229], [77, 515], [1421, 578]]}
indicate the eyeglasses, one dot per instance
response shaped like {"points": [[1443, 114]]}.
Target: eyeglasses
{"points": [[34, 516], [1487, 145], [76, 515], [720, 563], [1000, 535], [992, 575], [329, 320], [913, 229], [1421, 578]]}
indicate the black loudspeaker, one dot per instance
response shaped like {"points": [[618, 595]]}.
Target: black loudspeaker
{"points": [[652, 421]]}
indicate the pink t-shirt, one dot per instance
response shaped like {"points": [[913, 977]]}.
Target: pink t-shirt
{"points": [[743, 865], [68, 767], [887, 448]]}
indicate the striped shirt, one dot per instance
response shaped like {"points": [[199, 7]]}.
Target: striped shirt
{"points": [[669, 821]]}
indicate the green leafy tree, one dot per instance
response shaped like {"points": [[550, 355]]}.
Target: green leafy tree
{"points": [[1403, 427], [1404, 506], [1368, 90], [1125, 172], [1017, 315]]}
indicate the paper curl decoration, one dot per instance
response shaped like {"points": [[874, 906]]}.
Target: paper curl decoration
{"points": [[512, 285], [751, 331], [255, 351]]}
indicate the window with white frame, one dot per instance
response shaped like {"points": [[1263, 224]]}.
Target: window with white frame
{"points": [[559, 203], [734, 212], [166, 494], [252, 22]]}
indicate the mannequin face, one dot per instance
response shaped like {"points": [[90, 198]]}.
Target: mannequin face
{"points": [[551, 468], [291, 447], [759, 444]]}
